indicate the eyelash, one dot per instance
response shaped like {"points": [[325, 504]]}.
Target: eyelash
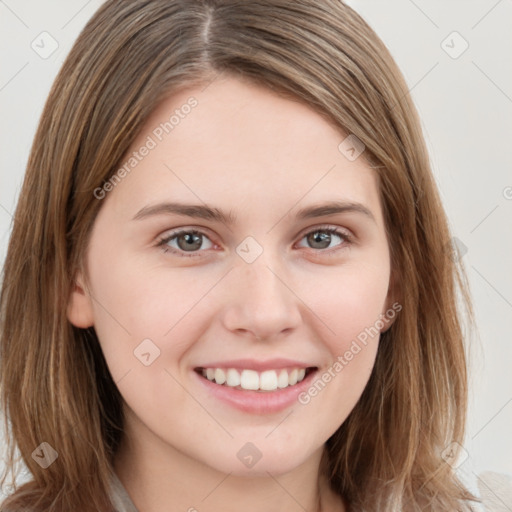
{"points": [[345, 236]]}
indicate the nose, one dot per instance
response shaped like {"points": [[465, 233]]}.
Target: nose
{"points": [[261, 303]]}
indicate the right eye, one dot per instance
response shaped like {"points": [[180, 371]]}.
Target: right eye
{"points": [[185, 241]]}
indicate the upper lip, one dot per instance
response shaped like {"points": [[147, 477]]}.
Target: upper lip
{"points": [[253, 364]]}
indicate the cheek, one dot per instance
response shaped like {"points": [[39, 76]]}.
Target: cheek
{"points": [[134, 302], [349, 300], [350, 306]]}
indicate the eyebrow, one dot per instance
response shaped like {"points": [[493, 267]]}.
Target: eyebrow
{"points": [[209, 213]]}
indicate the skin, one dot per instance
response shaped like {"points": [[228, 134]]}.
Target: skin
{"points": [[245, 150]]}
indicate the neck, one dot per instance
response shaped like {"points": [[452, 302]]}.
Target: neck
{"points": [[155, 474]]}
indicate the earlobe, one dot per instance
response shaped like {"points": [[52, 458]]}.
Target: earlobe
{"points": [[79, 311]]}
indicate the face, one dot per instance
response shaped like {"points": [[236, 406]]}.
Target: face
{"points": [[236, 275]]}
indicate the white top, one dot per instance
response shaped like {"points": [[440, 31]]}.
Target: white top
{"points": [[122, 502]]}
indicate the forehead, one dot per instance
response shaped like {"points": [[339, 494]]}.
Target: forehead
{"points": [[237, 142]]}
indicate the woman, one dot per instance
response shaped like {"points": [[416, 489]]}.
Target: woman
{"points": [[235, 272]]}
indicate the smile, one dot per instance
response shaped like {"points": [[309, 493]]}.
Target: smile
{"points": [[251, 380]]}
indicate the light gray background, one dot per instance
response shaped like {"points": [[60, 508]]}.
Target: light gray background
{"points": [[465, 104]]}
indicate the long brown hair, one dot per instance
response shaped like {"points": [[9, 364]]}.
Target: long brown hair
{"points": [[55, 385]]}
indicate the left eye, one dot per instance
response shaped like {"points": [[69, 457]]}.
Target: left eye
{"points": [[322, 238]]}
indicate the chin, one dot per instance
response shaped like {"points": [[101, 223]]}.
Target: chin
{"points": [[258, 460], [260, 469]]}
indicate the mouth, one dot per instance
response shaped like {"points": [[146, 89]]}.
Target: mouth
{"points": [[266, 381]]}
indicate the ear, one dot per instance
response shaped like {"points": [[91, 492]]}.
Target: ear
{"points": [[393, 304], [79, 311]]}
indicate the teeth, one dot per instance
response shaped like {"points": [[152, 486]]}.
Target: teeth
{"points": [[220, 376], [250, 380], [268, 380], [282, 380], [233, 379]]}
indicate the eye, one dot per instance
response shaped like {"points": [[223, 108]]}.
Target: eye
{"points": [[326, 238], [190, 243], [185, 241]]}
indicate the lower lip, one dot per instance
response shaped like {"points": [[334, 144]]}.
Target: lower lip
{"points": [[257, 402]]}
